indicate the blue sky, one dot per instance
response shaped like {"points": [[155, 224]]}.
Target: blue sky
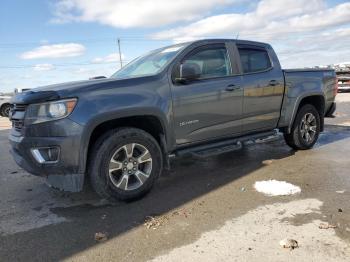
{"points": [[45, 41]]}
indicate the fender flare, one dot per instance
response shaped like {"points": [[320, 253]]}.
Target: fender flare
{"points": [[109, 116], [297, 105]]}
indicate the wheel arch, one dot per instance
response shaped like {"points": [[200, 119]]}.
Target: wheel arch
{"points": [[317, 100], [150, 123]]}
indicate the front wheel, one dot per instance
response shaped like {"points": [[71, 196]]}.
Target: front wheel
{"points": [[6, 110], [305, 130], [124, 164]]}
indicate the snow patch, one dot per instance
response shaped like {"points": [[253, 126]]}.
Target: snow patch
{"points": [[276, 188]]}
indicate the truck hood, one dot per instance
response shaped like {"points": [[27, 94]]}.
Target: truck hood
{"points": [[74, 89]]}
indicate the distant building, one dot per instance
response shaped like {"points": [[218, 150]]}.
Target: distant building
{"points": [[337, 67], [342, 67]]}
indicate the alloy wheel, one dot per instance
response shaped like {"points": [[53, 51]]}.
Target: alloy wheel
{"points": [[130, 166], [308, 128]]}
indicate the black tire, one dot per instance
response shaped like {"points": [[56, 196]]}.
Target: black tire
{"points": [[114, 145], [5, 110], [298, 139]]}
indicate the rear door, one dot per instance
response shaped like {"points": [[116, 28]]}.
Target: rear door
{"points": [[211, 106], [263, 85]]}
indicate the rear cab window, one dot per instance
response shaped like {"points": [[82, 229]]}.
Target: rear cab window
{"points": [[254, 59]]}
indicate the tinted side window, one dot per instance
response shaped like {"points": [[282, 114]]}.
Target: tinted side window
{"points": [[210, 63], [254, 60]]}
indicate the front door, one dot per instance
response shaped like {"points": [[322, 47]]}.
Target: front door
{"points": [[210, 106]]}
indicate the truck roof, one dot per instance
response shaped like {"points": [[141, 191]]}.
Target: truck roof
{"points": [[238, 41]]}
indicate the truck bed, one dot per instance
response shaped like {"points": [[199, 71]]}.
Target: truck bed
{"points": [[300, 83]]}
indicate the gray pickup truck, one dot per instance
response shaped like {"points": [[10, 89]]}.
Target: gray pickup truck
{"points": [[202, 98]]}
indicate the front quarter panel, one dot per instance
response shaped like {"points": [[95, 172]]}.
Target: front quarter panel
{"points": [[148, 98]]}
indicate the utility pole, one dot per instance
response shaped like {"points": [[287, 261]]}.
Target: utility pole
{"points": [[120, 54]]}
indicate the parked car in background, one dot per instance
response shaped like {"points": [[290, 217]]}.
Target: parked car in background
{"points": [[343, 81], [201, 98], [5, 105]]}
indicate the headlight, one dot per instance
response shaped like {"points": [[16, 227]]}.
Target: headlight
{"points": [[38, 113]]}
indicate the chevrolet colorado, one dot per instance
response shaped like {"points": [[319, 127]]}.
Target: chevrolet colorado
{"points": [[204, 97]]}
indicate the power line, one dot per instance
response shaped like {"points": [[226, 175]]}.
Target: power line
{"points": [[60, 65], [148, 38], [16, 45], [87, 40]]}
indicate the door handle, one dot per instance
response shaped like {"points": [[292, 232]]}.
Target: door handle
{"points": [[273, 83], [232, 87]]}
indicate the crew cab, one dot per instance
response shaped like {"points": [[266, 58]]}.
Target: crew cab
{"points": [[203, 98]]}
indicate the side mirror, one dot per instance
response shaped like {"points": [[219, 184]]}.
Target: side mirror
{"points": [[188, 72]]}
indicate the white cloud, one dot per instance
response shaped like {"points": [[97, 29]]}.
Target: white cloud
{"points": [[323, 18], [134, 13], [44, 67], [296, 28], [269, 19], [315, 48], [111, 58], [283, 8], [55, 51]]}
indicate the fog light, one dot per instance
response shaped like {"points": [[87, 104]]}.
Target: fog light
{"points": [[46, 155]]}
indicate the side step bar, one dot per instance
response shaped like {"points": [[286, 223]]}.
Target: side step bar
{"points": [[218, 150], [229, 145]]}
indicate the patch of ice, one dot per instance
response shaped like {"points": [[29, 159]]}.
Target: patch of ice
{"points": [[276, 188]]}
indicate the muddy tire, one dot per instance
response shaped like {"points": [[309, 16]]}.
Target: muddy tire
{"points": [[124, 164], [305, 130]]}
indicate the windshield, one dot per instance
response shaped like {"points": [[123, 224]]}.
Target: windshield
{"points": [[149, 64]]}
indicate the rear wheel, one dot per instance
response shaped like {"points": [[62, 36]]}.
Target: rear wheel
{"points": [[305, 130], [125, 163]]}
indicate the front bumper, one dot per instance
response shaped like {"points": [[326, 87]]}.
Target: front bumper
{"points": [[64, 174]]}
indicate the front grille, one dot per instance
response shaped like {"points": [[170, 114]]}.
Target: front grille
{"points": [[17, 116], [19, 107]]}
